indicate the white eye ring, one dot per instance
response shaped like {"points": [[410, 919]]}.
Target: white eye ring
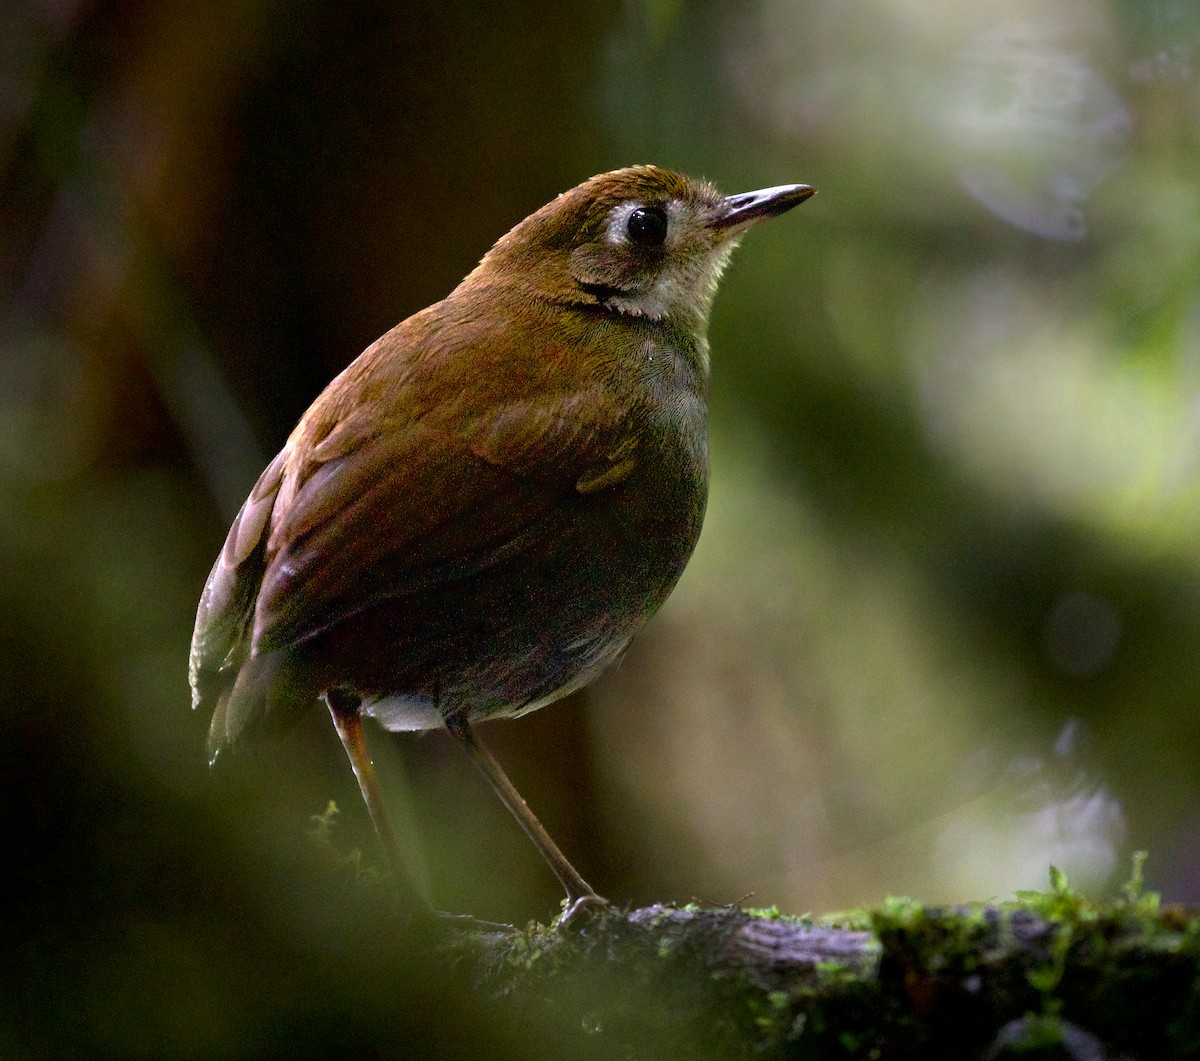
{"points": [[617, 232], [648, 226], [618, 221]]}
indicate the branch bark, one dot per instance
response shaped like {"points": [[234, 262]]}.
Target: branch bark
{"points": [[1053, 976]]}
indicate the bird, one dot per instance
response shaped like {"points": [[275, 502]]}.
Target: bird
{"points": [[478, 514]]}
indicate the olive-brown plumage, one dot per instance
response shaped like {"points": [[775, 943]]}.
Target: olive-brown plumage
{"points": [[482, 510]]}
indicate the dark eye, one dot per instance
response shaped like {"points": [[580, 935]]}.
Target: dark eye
{"points": [[647, 226]]}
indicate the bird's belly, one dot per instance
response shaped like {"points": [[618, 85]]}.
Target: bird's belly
{"points": [[408, 713], [538, 625]]}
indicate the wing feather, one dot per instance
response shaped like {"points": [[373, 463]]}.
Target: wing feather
{"points": [[226, 604], [410, 507]]}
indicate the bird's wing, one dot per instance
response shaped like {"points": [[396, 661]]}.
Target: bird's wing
{"points": [[220, 640], [382, 510]]}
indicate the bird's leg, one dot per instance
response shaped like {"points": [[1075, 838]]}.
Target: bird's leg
{"points": [[344, 709], [580, 894]]}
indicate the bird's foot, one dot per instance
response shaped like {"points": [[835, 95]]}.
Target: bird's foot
{"points": [[579, 908]]}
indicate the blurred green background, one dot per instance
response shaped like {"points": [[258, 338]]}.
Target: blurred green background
{"points": [[943, 627]]}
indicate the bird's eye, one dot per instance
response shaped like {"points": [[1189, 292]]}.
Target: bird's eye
{"points": [[647, 226]]}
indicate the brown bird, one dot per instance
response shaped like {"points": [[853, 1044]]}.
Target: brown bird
{"points": [[478, 514]]}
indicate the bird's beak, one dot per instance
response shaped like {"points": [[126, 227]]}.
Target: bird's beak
{"points": [[741, 211]]}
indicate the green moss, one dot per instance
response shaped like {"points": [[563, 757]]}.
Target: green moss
{"points": [[1050, 966], [768, 913], [350, 862]]}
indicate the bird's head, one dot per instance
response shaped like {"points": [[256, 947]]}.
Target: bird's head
{"points": [[641, 242]]}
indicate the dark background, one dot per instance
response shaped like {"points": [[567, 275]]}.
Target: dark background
{"points": [[941, 632]]}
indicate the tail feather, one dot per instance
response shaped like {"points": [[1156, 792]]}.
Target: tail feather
{"points": [[255, 697]]}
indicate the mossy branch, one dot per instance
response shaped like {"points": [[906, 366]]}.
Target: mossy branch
{"points": [[1052, 975]]}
